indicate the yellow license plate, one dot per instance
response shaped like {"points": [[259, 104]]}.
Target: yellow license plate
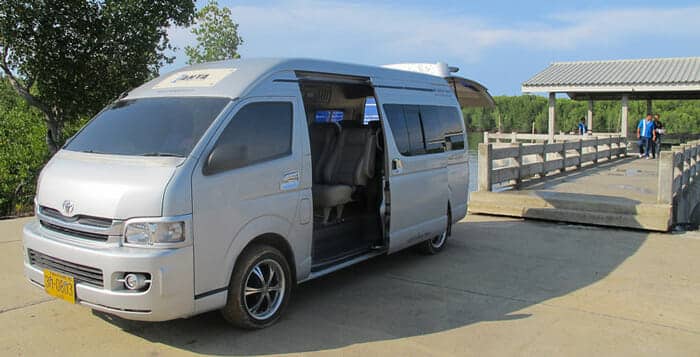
{"points": [[59, 285]]}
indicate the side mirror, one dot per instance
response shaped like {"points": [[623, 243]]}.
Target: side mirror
{"points": [[225, 157]]}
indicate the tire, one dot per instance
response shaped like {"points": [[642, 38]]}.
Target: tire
{"points": [[437, 244], [259, 270]]}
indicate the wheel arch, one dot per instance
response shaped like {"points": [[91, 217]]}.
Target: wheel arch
{"points": [[272, 230], [276, 241]]}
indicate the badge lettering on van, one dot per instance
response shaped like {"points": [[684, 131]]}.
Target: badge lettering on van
{"points": [[195, 79]]}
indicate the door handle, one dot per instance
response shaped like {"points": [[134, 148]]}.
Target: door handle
{"points": [[396, 166], [290, 181]]}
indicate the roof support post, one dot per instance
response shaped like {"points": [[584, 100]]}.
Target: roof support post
{"points": [[589, 123], [649, 107], [552, 115], [625, 113]]}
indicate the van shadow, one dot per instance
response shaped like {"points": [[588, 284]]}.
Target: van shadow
{"points": [[490, 271]]}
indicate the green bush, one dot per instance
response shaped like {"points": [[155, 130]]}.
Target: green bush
{"points": [[22, 152]]}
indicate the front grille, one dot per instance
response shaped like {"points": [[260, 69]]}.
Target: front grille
{"points": [[74, 232], [81, 273], [86, 220]]}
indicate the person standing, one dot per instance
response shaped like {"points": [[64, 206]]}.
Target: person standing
{"points": [[646, 134], [582, 126], [660, 131]]}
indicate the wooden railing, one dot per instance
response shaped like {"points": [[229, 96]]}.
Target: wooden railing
{"points": [[510, 164], [515, 137], [679, 173]]}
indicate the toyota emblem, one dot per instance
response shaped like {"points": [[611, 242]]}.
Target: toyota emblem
{"points": [[68, 207]]}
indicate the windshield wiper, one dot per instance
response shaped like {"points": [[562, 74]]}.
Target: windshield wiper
{"points": [[92, 152], [156, 153]]}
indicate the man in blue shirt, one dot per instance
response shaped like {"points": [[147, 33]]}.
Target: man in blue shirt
{"points": [[581, 127], [645, 134]]}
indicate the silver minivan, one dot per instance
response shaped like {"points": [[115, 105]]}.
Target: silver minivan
{"points": [[222, 185]]}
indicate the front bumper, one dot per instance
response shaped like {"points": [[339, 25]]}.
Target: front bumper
{"points": [[170, 295]]}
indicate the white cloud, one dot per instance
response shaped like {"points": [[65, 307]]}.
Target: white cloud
{"points": [[379, 33]]}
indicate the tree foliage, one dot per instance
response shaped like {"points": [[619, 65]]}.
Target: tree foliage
{"points": [[69, 59], [217, 35], [22, 151], [518, 113]]}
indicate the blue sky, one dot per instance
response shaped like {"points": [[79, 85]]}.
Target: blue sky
{"points": [[500, 44]]}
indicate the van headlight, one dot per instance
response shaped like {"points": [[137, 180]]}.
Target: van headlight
{"points": [[148, 233]]}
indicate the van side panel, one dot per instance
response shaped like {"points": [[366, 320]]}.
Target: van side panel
{"points": [[419, 190], [438, 93], [458, 177], [232, 208]]}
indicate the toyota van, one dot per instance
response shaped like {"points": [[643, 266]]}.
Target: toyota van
{"points": [[222, 185]]}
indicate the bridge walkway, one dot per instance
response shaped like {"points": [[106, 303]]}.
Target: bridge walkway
{"points": [[619, 193]]}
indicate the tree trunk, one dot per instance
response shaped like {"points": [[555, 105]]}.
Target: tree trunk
{"points": [[53, 135]]}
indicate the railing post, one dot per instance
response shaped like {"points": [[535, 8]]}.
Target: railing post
{"points": [[610, 147], [563, 156], [519, 165], [580, 153], [697, 144], [693, 152], [697, 157], [665, 186], [485, 166], [686, 166], [543, 157], [677, 167], [679, 173], [513, 137], [486, 137], [595, 149]]}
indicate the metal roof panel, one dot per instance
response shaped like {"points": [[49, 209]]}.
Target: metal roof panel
{"points": [[661, 71]]}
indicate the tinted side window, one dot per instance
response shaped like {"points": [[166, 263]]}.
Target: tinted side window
{"points": [[397, 122], [452, 124], [406, 128], [415, 129], [258, 132], [433, 128], [426, 129]]}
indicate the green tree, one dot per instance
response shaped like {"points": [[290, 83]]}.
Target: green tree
{"points": [[217, 35], [519, 112], [22, 151], [69, 59]]}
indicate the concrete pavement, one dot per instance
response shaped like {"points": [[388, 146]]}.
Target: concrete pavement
{"points": [[501, 287]]}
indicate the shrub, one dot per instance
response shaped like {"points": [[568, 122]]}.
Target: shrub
{"points": [[23, 152]]}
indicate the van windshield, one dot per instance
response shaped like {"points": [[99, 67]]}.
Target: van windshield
{"points": [[148, 126]]}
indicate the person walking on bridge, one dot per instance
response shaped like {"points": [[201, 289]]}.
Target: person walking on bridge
{"points": [[659, 131], [582, 127], [646, 135]]}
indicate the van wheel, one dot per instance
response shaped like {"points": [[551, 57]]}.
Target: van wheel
{"points": [[259, 289], [437, 244]]}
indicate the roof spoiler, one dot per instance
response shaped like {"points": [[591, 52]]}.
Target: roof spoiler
{"points": [[469, 93]]}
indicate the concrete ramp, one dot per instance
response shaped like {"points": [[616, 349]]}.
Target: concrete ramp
{"points": [[574, 208], [617, 194]]}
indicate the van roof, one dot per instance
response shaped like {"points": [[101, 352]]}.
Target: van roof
{"points": [[232, 78]]}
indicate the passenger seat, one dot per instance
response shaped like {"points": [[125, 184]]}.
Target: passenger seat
{"points": [[351, 165], [323, 137]]}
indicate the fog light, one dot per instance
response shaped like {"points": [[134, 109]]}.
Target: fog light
{"points": [[135, 281]]}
